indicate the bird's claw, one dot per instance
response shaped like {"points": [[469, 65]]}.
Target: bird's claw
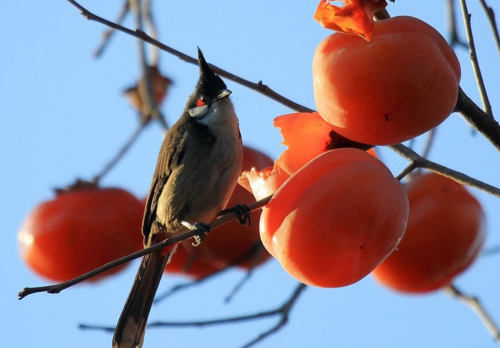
{"points": [[201, 230], [243, 213]]}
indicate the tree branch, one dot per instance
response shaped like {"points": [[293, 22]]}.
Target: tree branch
{"points": [[258, 87], [473, 57], [283, 311], [474, 304], [106, 37], [479, 119], [420, 162], [56, 288], [119, 155], [491, 18]]}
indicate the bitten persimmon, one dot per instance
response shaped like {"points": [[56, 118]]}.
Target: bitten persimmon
{"points": [[81, 230], [400, 84], [445, 234], [265, 182], [335, 219]]}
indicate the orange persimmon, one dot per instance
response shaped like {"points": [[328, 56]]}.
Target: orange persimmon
{"points": [[335, 219], [80, 230], [444, 236], [400, 84]]}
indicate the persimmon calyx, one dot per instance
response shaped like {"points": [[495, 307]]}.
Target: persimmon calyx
{"points": [[355, 17]]}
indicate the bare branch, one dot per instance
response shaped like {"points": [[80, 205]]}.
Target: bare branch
{"points": [[474, 304], [491, 18], [452, 25], [106, 37], [120, 153], [258, 87], [56, 288], [463, 179], [480, 120], [283, 311], [253, 253], [473, 57], [149, 108], [150, 23], [410, 168]]}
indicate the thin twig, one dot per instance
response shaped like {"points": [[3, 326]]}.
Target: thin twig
{"points": [[283, 311], [150, 23], [461, 178], [474, 304], [431, 135], [491, 18], [452, 26], [149, 108], [410, 168], [121, 152], [494, 250], [258, 87], [183, 286], [473, 57], [106, 37], [56, 288]]}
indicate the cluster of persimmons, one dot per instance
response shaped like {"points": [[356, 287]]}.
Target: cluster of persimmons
{"points": [[337, 214]]}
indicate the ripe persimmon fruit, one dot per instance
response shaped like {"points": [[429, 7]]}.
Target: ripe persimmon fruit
{"points": [[444, 236], [400, 84], [335, 219], [81, 230]]}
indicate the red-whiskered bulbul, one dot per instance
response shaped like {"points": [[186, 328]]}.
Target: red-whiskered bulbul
{"points": [[197, 169]]}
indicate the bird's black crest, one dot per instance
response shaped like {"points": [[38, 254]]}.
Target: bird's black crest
{"points": [[209, 83]]}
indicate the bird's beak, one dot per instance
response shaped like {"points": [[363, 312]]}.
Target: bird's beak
{"points": [[225, 93]]}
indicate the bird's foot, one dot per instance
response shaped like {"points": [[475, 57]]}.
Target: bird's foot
{"points": [[201, 230], [243, 213]]}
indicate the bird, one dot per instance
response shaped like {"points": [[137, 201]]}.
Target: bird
{"points": [[198, 166]]}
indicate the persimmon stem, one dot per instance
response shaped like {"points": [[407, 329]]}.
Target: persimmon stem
{"points": [[56, 288]]}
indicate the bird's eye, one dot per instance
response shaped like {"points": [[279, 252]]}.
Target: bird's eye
{"points": [[201, 102]]}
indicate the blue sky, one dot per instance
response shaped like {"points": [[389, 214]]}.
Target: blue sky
{"points": [[63, 117]]}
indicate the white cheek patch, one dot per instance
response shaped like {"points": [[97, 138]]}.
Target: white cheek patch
{"points": [[198, 111]]}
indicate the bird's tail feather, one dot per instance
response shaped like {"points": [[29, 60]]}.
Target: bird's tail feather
{"points": [[129, 332]]}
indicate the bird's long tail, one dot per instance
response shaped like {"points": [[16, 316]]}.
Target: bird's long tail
{"points": [[129, 332]]}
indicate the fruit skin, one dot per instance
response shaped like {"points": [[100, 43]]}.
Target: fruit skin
{"points": [[444, 236], [395, 87], [335, 219], [80, 230]]}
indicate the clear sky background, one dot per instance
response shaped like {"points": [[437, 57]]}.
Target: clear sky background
{"points": [[62, 117]]}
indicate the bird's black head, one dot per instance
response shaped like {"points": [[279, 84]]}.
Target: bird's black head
{"points": [[211, 83], [210, 88]]}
